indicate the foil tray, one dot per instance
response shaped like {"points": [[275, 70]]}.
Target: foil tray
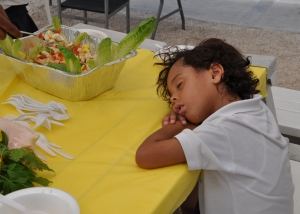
{"points": [[69, 87]]}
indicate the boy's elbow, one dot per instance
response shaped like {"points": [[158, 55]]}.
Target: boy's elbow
{"points": [[142, 160]]}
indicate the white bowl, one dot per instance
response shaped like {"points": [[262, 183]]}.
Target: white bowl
{"points": [[96, 33], [46, 199]]}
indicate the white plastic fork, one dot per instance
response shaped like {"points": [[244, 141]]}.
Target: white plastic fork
{"points": [[49, 147], [32, 34]]}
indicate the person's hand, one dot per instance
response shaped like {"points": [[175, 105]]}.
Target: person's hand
{"points": [[7, 26], [172, 117]]}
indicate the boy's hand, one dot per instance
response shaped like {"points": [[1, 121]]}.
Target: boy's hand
{"points": [[172, 117]]}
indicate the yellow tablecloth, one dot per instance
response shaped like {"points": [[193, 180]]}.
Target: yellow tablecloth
{"points": [[103, 135]]}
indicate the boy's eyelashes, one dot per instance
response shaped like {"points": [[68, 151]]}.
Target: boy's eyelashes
{"points": [[178, 86]]}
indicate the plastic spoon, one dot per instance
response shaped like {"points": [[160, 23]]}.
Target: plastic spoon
{"points": [[17, 206]]}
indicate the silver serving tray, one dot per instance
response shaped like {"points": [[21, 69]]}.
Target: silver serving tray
{"points": [[69, 87]]}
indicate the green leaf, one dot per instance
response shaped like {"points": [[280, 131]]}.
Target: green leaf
{"points": [[113, 49], [33, 161], [56, 23], [35, 51], [7, 186], [16, 177], [7, 44], [135, 37], [91, 63], [49, 50], [72, 62], [103, 52], [16, 48], [17, 154], [16, 174], [58, 66], [41, 181], [3, 150], [4, 138], [80, 38]]}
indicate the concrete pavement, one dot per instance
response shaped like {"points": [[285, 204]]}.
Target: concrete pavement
{"points": [[283, 15]]}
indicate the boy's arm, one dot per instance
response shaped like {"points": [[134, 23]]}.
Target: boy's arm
{"points": [[161, 148]]}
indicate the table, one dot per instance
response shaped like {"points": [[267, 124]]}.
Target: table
{"points": [[103, 135]]}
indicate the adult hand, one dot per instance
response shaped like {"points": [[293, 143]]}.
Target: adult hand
{"points": [[172, 117], [7, 26]]}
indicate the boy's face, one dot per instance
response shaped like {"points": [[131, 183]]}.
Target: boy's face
{"points": [[194, 93]]}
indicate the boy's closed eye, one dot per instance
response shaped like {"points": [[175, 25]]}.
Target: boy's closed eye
{"points": [[178, 86]]}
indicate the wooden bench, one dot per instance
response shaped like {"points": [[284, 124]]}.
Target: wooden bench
{"points": [[287, 106]]}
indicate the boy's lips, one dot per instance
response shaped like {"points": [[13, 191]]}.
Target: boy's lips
{"points": [[179, 109]]}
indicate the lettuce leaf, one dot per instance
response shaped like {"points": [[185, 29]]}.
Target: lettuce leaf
{"points": [[91, 63], [58, 66], [35, 51], [72, 62], [103, 52], [7, 44], [16, 48], [135, 37], [80, 37], [56, 23], [12, 47]]}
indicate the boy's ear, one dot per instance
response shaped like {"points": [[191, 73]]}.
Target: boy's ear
{"points": [[216, 72]]}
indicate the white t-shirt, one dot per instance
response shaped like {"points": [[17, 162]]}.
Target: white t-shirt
{"points": [[244, 158], [7, 3]]}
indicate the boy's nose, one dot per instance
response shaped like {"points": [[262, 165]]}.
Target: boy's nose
{"points": [[173, 99]]}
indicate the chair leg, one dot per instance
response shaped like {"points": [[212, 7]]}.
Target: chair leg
{"points": [[181, 14], [128, 17], [106, 8], [59, 10], [85, 16], [157, 18]]}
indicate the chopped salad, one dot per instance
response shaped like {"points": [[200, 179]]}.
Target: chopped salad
{"points": [[73, 56], [52, 55]]}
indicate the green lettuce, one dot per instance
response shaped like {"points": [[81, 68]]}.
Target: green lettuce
{"points": [[56, 23], [58, 66], [16, 48], [103, 52], [91, 63], [7, 44], [80, 37], [35, 51], [135, 37], [72, 62]]}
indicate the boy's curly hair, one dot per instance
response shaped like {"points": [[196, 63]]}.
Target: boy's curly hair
{"points": [[238, 80]]}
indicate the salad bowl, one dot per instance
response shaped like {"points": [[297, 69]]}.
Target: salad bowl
{"points": [[81, 87]]}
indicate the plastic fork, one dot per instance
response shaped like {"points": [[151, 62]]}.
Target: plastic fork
{"points": [[32, 34]]}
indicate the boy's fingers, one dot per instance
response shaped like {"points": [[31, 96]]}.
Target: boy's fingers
{"points": [[166, 120], [182, 119], [173, 117]]}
